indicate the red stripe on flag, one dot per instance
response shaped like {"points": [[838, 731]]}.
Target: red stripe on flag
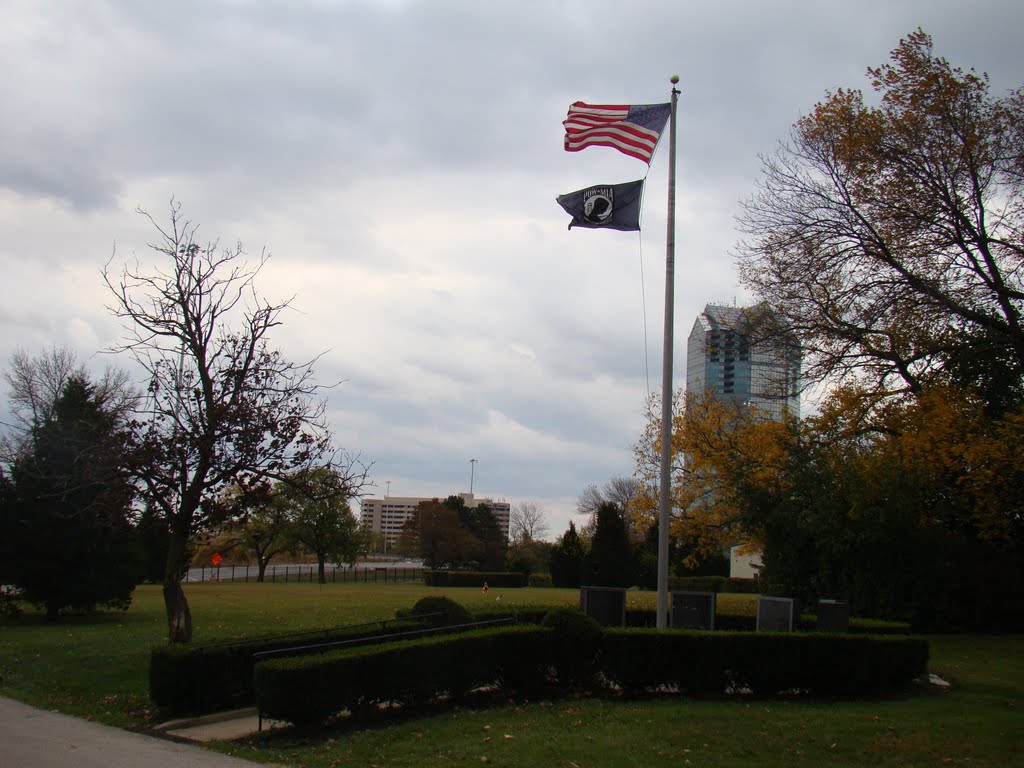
{"points": [[605, 125]]}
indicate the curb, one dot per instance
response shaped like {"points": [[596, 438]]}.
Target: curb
{"points": [[216, 717]]}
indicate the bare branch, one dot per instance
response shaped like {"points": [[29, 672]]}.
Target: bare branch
{"points": [[222, 406], [890, 237]]}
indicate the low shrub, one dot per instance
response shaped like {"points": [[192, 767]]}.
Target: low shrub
{"points": [[438, 610], [576, 643], [10, 601]]}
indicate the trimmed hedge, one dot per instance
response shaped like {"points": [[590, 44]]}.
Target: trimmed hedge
{"points": [[763, 664], [305, 690], [210, 678], [196, 680], [526, 661], [502, 580], [713, 584], [647, 617], [529, 614], [731, 622]]}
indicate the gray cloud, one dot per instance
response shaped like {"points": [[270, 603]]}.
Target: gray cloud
{"points": [[400, 159]]}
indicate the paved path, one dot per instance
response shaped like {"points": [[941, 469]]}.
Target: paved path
{"points": [[35, 738]]}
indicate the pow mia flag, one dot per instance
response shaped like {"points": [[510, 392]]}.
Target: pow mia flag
{"points": [[606, 206]]}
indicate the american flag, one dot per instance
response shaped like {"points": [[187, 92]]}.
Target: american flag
{"points": [[631, 129]]}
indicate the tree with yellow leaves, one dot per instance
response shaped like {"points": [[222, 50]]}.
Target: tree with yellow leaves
{"points": [[907, 507], [724, 457]]}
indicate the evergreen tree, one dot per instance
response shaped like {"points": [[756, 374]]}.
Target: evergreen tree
{"points": [[610, 561], [70, 542], [568, 558]]}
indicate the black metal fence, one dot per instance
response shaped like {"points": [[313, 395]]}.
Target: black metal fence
{"points": [[366, 574]]}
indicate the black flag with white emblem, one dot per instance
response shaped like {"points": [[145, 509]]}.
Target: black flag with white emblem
{"points": [[606, 206]]}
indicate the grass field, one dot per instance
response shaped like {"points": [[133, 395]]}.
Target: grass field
{"points": [[97, 667]]}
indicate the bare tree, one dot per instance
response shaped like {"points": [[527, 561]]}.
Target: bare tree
{"points": [[526, 523], [622, 492], [589, 500], [222, 407], [35, 384]]}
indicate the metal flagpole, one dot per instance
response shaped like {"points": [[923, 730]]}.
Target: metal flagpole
{"points": [[665, 491]]}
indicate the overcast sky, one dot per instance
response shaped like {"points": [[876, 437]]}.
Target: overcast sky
{"points": [[400, 159]]}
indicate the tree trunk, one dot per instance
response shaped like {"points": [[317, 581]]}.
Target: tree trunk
{"points": [[262, 568], [179, 617], [320, 568]]}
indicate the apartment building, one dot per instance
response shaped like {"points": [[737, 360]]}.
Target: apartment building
{"points": [[387, 515]]}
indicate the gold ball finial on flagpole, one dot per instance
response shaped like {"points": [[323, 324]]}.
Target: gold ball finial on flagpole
{"points": [[674, 79]]}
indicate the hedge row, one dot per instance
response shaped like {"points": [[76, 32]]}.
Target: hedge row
{"points": [[406, 673], [200, 679], [712, 584], [187, 679], [531, 660], [706, 663], [648, 617], [501, 580]]}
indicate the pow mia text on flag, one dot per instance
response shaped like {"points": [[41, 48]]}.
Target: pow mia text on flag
{"points": [[605, 206]]}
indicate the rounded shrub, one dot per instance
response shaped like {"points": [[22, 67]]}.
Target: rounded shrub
{"points": [[577, 642], [450, 612]]}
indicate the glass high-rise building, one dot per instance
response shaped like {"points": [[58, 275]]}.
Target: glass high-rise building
{"points": [[744, 356]]}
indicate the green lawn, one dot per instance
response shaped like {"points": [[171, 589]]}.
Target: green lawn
{"points": [[97, 667]]}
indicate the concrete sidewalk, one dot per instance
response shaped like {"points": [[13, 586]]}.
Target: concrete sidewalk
{"points": [[221, 726], [36, 738]]}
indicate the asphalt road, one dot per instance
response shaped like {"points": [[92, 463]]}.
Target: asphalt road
{"points": [[35, 738]]}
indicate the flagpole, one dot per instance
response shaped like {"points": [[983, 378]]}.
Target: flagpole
{"points": [[665, 491]]}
